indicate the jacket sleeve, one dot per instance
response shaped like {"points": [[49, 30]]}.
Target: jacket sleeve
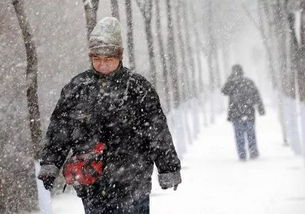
{"points": [[228, 87], [259, 102], [57, 141], [156, 130]]}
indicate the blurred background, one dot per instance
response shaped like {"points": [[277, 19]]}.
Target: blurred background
{"points": [[186, 48]]}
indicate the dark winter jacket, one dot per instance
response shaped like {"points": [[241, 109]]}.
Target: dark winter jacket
{"points": [[123, 110], [243, 97]]}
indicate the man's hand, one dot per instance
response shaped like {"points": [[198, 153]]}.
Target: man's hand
{"points": [[47, 174], [170, 180], [261, 112], [48, 182], [175, 187]]}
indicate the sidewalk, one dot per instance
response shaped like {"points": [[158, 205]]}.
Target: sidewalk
{"points": [[215, 182]]}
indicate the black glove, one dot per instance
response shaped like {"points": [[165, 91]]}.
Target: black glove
{"points": [[169, 180], [48, 181], [262, 112]]}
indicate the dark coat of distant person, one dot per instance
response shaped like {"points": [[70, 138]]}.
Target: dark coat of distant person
{"points": [[243, 97]]}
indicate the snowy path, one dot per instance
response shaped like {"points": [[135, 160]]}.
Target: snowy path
{"points": [[215, 182]]}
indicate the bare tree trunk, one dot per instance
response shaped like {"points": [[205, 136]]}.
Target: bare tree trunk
{"points": [[211, 87], [162, 56], [91, 7], [32, 98], [297, 52], [115, 9], [190, 51], [301, 54], [151, 52], [31, 77], [281, 29], [210, 48], [199, 49], [146, 10], [130, 42], [216, 64], [293, 54], [185, 72], [268, 37], [226, 58], [210, 61], [173, 67]]}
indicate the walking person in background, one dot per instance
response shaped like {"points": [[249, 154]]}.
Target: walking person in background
{"points": [[243, 98], [112, 122]]}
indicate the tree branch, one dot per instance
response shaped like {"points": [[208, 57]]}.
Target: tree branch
{"points": [[145, 7]]}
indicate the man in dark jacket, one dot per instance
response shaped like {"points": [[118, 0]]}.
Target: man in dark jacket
{"points": [[243, 98], [110, 104]]}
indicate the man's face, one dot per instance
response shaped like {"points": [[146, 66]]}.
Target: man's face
{"points": [[104, 64]]}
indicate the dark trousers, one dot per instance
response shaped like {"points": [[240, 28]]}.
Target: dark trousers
{"points": [[243, 130], [97, 205]]}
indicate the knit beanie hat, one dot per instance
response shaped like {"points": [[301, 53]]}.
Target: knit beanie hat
{"points": [[106, 38]]}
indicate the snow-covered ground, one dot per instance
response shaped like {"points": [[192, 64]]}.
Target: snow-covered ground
{"points": [[215, 182]]}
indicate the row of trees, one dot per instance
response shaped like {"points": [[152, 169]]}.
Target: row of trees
{"points": [[281, 25]]}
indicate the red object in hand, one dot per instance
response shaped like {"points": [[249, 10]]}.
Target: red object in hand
{"points": [[85, 169]]}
